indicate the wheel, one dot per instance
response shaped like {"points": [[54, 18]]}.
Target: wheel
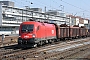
{"points": [[40, 43], [50, 41], [35, 45]]}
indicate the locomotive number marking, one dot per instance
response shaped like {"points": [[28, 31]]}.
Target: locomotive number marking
{"points": [[26, 36]]}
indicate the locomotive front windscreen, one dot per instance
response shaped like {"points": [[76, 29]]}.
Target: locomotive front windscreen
{"points": [[27, 28]]}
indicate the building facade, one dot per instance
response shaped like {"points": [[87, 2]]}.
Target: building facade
{"points": [[77, 20], [11, 18]]}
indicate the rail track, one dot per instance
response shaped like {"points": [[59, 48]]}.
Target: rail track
{"points": [[61, 50], [75, 53]]}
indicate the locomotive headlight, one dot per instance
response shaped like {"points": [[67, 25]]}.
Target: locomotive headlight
{"points": [[33, 35]]}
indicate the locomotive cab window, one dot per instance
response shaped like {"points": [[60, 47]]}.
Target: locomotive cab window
{"points": [[27, 28]]}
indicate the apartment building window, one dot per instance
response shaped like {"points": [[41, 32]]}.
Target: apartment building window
{"points": [[6, 28]]}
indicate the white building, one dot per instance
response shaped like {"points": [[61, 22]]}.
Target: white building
{"points": [[86, 23], [11, 18], [77, 20]]}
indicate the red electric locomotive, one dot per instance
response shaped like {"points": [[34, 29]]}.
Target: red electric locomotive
{"points": [[34, 33]]}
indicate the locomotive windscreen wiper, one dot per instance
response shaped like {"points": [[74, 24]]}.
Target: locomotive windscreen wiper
{"points": [[27, 30]]}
